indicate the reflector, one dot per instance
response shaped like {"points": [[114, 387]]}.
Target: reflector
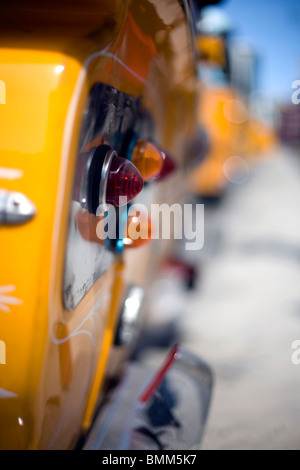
{"points": [[86, 224]]}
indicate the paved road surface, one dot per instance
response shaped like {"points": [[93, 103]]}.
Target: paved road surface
{"points": [[245, 313]]}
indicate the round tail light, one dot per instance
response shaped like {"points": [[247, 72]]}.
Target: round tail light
{"points": [[106, 179]]}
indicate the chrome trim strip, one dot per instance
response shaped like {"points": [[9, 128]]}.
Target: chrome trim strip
{"points": [[103, 181], [84, 179], [173, 418], [129, 319]]}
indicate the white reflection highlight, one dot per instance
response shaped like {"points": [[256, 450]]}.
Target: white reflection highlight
{"points": [[236, 170], [59, 69]]}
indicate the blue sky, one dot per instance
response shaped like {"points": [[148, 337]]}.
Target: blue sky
{"points": [[272, 27]]}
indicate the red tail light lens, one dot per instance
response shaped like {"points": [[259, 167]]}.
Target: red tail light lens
{"points": [[124, 182]]}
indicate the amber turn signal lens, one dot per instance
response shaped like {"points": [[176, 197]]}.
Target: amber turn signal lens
{"points": [[138, 231], [147, 159]]}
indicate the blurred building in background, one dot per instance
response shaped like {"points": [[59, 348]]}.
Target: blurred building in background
{"points": [[289, 124], [243, 66]]}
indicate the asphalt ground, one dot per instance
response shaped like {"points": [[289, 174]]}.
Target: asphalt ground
{"points": [[244, 313]]}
